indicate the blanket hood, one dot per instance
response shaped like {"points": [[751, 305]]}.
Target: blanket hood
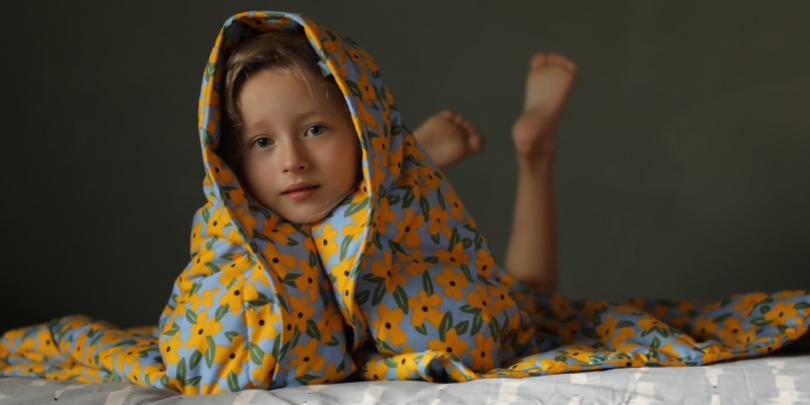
{"points": [[346, 283]]}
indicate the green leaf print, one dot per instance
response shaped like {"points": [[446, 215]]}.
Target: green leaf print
{"points": [[470, 309], [379, 293], [393, 199], [355, 207], [362, 297], [421, 329], [396, 247], [759, 321], [260, 300], [625, 324], [425, 207], [312, 329], [461, 327], [213, 267], [466, 271], [435, 238], [431, 259], [466, 242], [210, 352], [313, 259], [289, 279], [205, 216], [453, 239], [478, 322], [344, 245], [233, 382], [276, 345], [171, 332], [722, 317], [195, 359], [427, 284], [304, 379], [353, 87], [445, 324], [181, 370], [221, 311], [191, 316], [655, 342], [196, 287], [256, 354], [802, 305], [231, 334], [283, 302], [407, 199], [401, 298], [440, 197], [194, 381]]}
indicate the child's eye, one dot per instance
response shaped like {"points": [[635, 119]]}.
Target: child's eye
{"points": [[263, 142], [316, 130]]}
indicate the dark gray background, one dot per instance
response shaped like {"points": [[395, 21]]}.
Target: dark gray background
{"points": [[683, 154]]}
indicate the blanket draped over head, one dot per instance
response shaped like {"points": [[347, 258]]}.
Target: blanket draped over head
{"points": [[396, 283]]}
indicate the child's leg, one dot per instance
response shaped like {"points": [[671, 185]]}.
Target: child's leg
{"points": [[532, 251], [448, 138]]}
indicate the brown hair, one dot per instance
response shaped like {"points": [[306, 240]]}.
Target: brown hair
{"points": [[288, 50]]}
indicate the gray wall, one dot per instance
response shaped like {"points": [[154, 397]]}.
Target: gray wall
{"points": [[683, 153]]}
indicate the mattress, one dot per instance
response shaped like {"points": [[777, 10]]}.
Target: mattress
{"points": [[783, 379]]}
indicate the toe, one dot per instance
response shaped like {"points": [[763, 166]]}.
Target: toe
{"points": [[475, 142], [537, 60], [446, 114]]}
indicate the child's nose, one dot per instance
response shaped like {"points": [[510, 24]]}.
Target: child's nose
{"points": [[295, 159]]}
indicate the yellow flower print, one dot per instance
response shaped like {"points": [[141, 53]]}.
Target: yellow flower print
{"points": [[45, 344], [451, 344], [745, 302], [780, 312], [302, 311], [500, 298], [704, 328], [385, 216], [277, 230], [479, 298], [259, 277], [217, 220], [329, 324], [375, 368], [453, 203], [232, 274], [231, 358], [387, 327], [416, 265], [248, 221], [306, 359], [199, 264], [368, 119], [204, 298], [437, 221], [233, 297], [406, 366], [729, 331], [307, 282], [484, 263], [483, 352], [456, 257], [154, 371], [200, 331], [453, 282], [432, 177], [197, 238], [409, 227], [367, 91], [327, 242], [423, 306], [386, 269], [169, 349]]}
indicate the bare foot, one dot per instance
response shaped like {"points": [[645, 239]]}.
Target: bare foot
{"points": [[547, 85], [448, 138]]}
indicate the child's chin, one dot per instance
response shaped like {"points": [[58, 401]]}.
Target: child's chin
{"points": [[305, 218]]}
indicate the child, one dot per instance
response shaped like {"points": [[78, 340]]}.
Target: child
{"points": [[330, 243]]}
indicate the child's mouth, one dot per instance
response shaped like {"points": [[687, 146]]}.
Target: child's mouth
{"points": [[298, 193]]}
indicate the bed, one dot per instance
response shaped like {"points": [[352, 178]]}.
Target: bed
{"points": [[779, 378]]}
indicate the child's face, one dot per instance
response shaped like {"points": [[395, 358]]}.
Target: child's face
{"points": [[300, 150]]}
